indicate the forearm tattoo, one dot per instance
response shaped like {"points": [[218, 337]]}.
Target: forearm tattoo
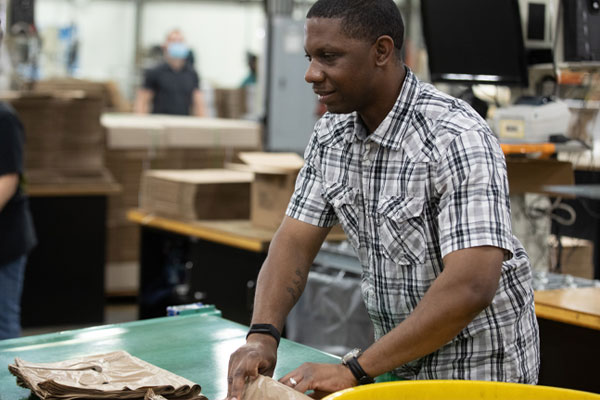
{"points": [[296, 290]]}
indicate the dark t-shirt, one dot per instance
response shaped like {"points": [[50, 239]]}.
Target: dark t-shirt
{"points": [[172, 89], [17, 236]]}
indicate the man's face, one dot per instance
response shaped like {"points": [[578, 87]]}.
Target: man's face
{"points": [[341, 68]]}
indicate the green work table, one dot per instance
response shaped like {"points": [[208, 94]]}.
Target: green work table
{"points": [[195, 346]]}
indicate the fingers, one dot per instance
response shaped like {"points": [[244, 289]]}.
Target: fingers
{"points": [[304, 385], [240, 371], [298, 379], [322, 378], [238, 383], [245, 364], [291, 380]]}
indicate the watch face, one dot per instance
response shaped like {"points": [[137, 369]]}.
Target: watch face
{"points": [[352, 353]]}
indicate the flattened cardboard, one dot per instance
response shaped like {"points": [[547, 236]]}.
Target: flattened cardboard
{"points": [[208, 194], [126, 131]]}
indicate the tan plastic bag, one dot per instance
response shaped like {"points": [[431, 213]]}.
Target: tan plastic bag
{"points": [[116, 375], [265, 388]]}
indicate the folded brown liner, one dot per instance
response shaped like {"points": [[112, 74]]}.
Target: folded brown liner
{"points": [[117, 375], [265, 388]]}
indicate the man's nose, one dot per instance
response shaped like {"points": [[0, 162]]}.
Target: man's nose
{"points": [[313, 73]]}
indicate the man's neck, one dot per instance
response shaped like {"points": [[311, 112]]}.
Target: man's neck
{"points": [[175, 64], [389, 94]]}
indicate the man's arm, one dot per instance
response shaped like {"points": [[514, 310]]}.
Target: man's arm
{"points": [[142, 101], [198, 107], [280, 283], [8, 187], [465, 287]]}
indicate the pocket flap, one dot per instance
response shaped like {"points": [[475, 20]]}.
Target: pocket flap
{"points": [[400, 208], [338, 194]]}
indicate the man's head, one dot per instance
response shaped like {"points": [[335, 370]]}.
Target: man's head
{"points": [[252, 61], [175, 49], [364, 19], [353, 47]]}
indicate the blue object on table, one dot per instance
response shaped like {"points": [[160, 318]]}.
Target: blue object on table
{"points": [[193, 308]]}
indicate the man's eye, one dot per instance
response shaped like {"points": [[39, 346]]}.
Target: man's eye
{"points": [[309, 58], [329, 56]]}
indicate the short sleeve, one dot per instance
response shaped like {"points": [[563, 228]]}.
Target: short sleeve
{"points": [[151, 79], [11, 144], [307, 203], [196, 80], [474, 199]]}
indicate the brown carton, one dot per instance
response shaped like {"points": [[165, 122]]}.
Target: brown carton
{"points": [[274, 179], [530, 175], [577, 257], [203, 194]]}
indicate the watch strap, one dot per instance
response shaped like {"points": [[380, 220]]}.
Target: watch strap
{"points": [[266, 329], [358, 372]]}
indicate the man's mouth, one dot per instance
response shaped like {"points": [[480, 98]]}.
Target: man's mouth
{"points": [[323, 95]]}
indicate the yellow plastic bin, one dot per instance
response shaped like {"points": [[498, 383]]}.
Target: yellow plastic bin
{"points": [[458, 390]]}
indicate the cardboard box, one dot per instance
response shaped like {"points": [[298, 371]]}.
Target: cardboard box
{"points": [[131, 131], [122, 242], [577, 257], [205, 194], [274, 180], [136, 143], [63, 130], [530, 175], [108, 91], [127, 131], [230, 103]]}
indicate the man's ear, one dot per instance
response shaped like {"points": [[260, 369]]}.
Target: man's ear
{"points": [[384, 50]]}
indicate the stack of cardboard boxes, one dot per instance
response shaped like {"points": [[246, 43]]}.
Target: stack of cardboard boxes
{"points": [[230, 103], [108, 91], [259, 190], [139, 143], [198, 194], [65, 141]]}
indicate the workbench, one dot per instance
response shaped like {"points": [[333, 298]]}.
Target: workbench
{"points": [[569, 321], [195, 346], [216, 262], [64, 276]]}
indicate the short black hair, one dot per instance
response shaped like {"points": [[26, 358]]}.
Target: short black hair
{"points": [[364, 19]]}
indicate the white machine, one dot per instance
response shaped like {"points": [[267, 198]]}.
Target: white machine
{"points": [[530, 123]]}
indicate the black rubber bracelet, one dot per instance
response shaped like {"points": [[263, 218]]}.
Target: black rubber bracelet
{"points": [[266, 329]]}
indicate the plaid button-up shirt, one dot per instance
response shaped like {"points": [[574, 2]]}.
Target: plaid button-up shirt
{"points": [[430, 180]]}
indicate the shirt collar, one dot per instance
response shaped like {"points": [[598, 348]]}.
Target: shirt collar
{"points": [[393, 127]]}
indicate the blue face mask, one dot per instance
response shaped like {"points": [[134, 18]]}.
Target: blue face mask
{"points": [[178, 50]]}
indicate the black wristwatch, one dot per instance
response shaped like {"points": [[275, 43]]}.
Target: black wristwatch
{"points": [[350, 360], [266, 329]]}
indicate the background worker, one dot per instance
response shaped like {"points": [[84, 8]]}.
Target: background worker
{"points": [[418, 182], [172, 87], [17, 235]]}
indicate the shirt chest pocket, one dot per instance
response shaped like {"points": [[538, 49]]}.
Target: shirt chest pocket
{"points": [[345, 202], [401, 229]]}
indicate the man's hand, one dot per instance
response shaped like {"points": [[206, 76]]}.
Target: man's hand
{"points": [[280, 283], [257, 356], [322, 378]]}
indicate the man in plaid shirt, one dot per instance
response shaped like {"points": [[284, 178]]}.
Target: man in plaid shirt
{"points": [[418, 182]]}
